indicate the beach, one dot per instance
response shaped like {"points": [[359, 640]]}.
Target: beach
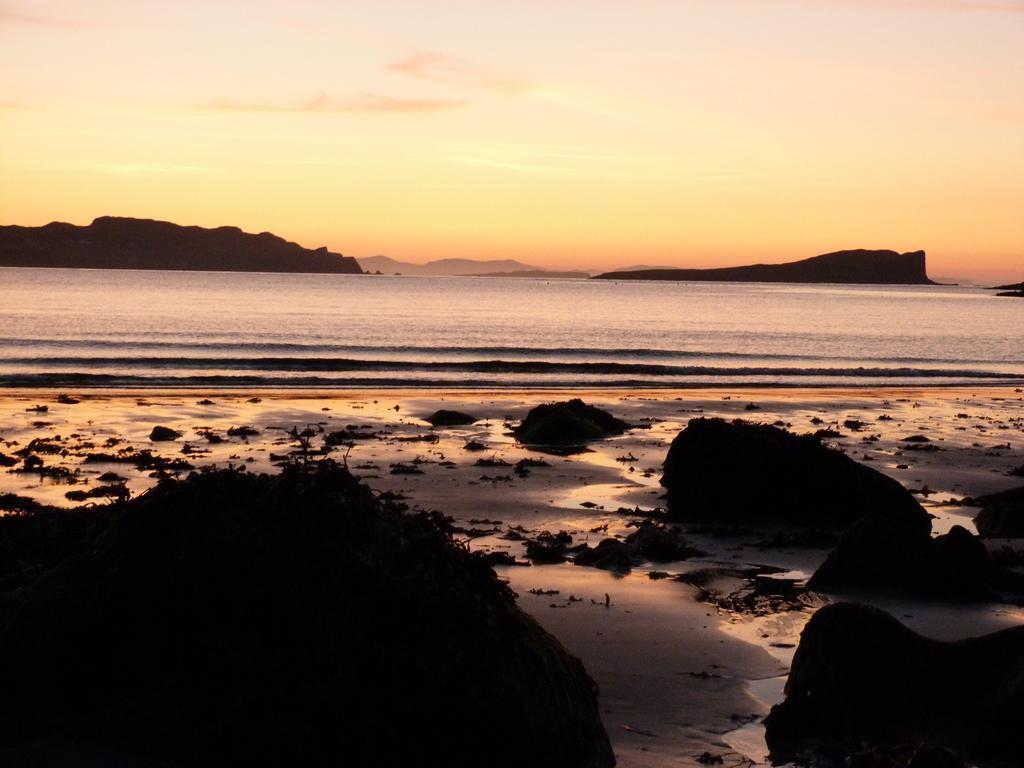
{"points": [[683, 672]]}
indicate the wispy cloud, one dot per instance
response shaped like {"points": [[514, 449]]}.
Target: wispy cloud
{"points": [[150, 170], [359, 103], [983, 6], [16, 16], [450, 70]]}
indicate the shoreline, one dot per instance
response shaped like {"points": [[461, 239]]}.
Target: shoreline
{"points": [[679, 676]]}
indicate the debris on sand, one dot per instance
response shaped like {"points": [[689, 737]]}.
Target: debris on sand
{"points": [[235, 618], [859, 677], [113, 491], [727, 472], [569, 423], [549, 547]]}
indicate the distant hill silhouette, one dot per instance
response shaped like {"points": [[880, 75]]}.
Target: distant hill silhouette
{"points": [[123, 243], [443, 267], [1016, 290], [535, 273], [857, 266]]}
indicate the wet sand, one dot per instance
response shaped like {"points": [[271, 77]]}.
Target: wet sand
{"points": [[678, 677]]}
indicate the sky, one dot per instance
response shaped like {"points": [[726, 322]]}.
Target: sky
{"points": [[582, 134]]}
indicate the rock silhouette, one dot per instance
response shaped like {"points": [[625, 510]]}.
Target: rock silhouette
{"points": [[112, 242], [854, 266], [443, 418], [879, 553], [860, 677], [739, 472], [568, 423], [296, 619], [1001, 515]]}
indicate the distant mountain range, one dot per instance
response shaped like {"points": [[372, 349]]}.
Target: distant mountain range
{"points": [[463, 268], [856, 267], [543, 274], [123, 243]]}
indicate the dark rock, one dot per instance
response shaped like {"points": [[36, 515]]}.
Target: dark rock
{"points": [[548, 547], [163, 434], [567, 423], [879, 553], [243, 431], [11, 502], [907, 756], [609, 555], [660, 544], [729, 472], [349, 434], [861, 677], [1001, 515], [234, 618], [445, 418]]}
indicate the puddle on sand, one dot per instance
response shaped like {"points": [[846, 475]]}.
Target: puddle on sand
{"points": [[748, 740]]}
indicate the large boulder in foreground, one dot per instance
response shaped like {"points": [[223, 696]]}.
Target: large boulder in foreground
{"points": [[1001, 515], [233, 619], [728, 472], [860, 677], [568, 423], [879, 553]]}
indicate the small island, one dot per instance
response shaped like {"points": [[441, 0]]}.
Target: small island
{"points": [[863, 267], [1015, 290], [112, 242]]}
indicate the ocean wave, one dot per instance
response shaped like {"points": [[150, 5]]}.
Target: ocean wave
{"points": [[252, 349], [497, 367], [746, 378]]}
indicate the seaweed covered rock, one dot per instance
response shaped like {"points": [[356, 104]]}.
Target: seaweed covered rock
{"points": [[879, 553], [860, 677], [660, 544], [608, 555], [443, 418], [162, 434], [569, 423], [295, 619], [1001, 515], [729, 472]]}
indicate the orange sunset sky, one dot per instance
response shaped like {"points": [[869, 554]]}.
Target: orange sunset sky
{"points": [[564, 133]]}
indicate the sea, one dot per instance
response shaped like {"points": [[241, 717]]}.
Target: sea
{"points": [[169, 329]]}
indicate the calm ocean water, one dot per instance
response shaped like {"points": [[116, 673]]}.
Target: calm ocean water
{"points": [[77, 328]]}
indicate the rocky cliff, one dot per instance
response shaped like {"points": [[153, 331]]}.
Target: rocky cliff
{"points": [[124, 243], [857, 266]]}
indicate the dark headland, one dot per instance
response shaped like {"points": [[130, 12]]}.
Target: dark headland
{"points": [[112, 242], [856, 266], [1016, 290]]}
